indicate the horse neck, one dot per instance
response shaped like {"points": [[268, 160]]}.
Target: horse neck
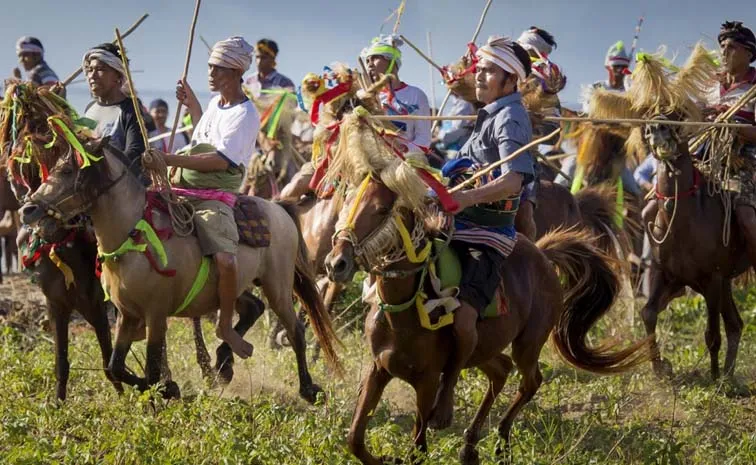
{"points": [[116, 211], [680, 178]]}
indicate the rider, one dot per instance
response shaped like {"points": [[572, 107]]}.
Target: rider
{"points": [[383, 57], [31, 54], [267, 77], [484, 226], [539, 44], [738, 46], [112, 109], [223, 138]]}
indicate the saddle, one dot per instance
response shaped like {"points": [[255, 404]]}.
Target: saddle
{"points": [[251, 222], [446, 271]]}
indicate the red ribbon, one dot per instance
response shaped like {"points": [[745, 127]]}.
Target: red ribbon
{"points": [[471, 50], [322, 167], [326, 97]]}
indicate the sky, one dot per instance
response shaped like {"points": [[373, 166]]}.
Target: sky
{"points": [[315, 33]]}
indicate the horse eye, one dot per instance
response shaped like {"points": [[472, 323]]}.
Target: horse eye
{"points": [[66, 170]]}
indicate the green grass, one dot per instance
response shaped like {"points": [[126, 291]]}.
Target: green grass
{"points": [[575, 418]]}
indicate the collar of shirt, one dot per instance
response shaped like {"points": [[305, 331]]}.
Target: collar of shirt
{"points": [[748, 80], [269, 78], [497, 105]]}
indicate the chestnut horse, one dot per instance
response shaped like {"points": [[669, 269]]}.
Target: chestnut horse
{"points": [[536, 304]]}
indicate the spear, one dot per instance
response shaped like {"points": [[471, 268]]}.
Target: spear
{"points": [[186, 70], [635, 38]]}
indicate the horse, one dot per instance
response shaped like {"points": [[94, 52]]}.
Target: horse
{"points": [[115, 200], [8, 224], [383, 229], [690, 251]]}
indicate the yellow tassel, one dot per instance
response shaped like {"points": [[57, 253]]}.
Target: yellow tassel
{"points": [[65, 269]]}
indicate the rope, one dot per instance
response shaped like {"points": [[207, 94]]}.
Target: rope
{"points": [[651, 224]]}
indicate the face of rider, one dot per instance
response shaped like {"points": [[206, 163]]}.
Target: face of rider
{"points": [[736, 58], [29, 60], [103, 80], [492, 82]]}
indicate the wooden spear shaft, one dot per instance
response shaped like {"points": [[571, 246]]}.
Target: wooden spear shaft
{"points": [[177, 117], [623, 121], [423, 55], [131, 29], [132, 90], [474, 38], [497, 164]]}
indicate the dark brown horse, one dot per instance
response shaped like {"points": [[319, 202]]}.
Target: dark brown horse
{"points": [[8, 224], [686, 225], [536, 304]]}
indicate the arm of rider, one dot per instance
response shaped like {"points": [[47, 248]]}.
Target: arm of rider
{"points": [[503, 187], [186, 96], [202, 162]]}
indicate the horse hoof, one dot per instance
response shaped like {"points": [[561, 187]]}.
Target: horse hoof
{"points": [[282, 339], [440, 419], [310, 393], [225, 374], [469, 455], [171, 390]]}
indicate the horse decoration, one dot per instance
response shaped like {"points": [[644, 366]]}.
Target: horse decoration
{"points": [[695, 240], [389, 228]]}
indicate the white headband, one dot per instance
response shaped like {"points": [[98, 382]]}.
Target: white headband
{"points": [[530, 40], [109, 59], [24, 45], [234, 53], [499, 51]]}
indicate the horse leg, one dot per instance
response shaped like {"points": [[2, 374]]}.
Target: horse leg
{"points": [[203, 356], [425, 398], [60, 315], [370, 392], [96, 314], [712, 334], [525, 355], [662, 292], [497, 370], [250, 309], [733, 324], [127, 329], [156, 364]]}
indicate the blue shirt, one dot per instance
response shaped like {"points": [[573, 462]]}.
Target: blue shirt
{"points": [[454, 134], [646, 171], [502, 127]]}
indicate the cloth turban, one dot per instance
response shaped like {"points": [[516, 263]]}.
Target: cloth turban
{"points": [[386, 46], [531, 40], [736, 31], [500, 51], [28, 44], [234, 53], [110, 59], [617, 56]]}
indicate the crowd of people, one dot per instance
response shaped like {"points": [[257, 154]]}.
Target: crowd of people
{"points": [[224, 137]]}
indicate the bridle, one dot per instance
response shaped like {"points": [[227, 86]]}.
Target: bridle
{"points": [[389, 243]]}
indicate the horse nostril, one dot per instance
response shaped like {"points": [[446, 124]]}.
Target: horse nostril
{"points": [[29, 210], [340, 266]]}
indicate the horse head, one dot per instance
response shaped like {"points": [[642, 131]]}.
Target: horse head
{"points": [[366, 230], [71, 187], [665, 141]]}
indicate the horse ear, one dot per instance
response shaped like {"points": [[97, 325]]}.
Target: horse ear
{"points": [[96, 145]]}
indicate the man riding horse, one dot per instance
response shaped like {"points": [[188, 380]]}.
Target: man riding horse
{"points": [[484, 223], [737, 45], [222, 141], [383, 57]]}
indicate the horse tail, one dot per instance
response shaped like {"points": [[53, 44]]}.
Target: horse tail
{"points": [[306, 291], [598, 210], [591, 287]]}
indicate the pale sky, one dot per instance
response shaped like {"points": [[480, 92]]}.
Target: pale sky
{"points": [[314, 33]]}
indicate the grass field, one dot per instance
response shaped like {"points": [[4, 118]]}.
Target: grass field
{"points": [[576, 418]]}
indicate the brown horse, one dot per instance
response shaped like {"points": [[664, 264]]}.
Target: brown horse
{"points": [[686, 225], [115, 201], [8, 224], [535, 304]]}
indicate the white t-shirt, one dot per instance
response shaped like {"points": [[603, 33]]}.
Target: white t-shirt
{"points": [[409, 100], [231, 130]]}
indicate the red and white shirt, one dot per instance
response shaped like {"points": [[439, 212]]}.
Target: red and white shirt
{"points": [[729, 96]]}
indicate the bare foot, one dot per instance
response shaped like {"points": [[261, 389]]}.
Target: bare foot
{"points": [[240, 347]]}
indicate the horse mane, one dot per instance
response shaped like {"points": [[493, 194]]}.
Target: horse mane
{"points": [[362, 151]]}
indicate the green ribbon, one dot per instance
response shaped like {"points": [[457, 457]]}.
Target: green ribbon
{"points": [[199, 282], [577, 182], [86, 157]]}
